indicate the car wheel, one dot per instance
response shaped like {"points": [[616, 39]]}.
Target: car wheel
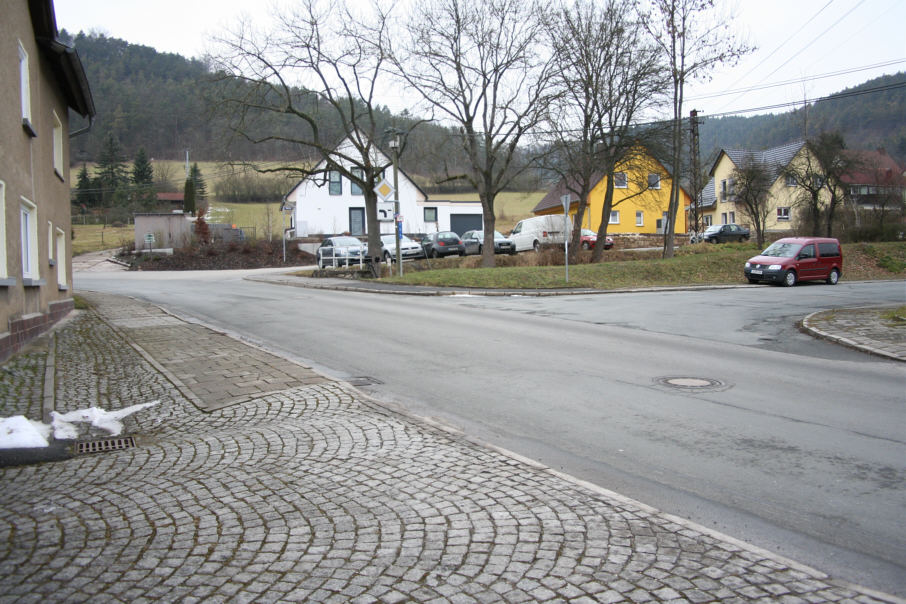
{"points": [[479, 249], [585, 245], [833, 277], [388, 257], [789, 278], [434, 254], [536, 246]]}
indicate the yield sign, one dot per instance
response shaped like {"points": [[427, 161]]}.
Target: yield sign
{"points": [[384, 190]]}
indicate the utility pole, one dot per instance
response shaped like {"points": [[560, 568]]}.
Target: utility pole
{"points": [[696, 171], [397, 222]]}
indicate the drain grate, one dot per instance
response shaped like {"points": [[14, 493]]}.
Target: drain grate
{"points": [[105, 444]]}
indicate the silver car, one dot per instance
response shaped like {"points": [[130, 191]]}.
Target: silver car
{"points": [[408, 249]]}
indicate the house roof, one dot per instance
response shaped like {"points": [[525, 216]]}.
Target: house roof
{"points": [[774, 159], [63, 59], [708, 197], [875, 168], [180, 197], [338, 145], [552, 199]]}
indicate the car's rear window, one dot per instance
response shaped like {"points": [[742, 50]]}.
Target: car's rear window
{"points": [[829, 249], [448, 237]]}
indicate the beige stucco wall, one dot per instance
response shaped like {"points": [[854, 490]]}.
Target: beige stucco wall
{"points": [[169, 230], [27, 171], [781, 196]]}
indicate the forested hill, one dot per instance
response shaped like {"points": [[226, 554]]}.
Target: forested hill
{"points": [[156, 100], [867, 121]]}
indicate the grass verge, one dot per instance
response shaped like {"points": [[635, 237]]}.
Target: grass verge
{"points": [[695, 265]]}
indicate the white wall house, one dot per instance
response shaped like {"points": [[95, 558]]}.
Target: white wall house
{"points": [[330, 204]]}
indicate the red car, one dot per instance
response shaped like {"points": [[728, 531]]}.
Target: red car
{"points": [[795, 259], [590, 238]]}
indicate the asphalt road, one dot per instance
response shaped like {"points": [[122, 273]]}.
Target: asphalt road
{"points": [[795, 445]]}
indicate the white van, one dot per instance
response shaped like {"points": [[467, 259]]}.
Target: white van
{"points": [[532, 233]]}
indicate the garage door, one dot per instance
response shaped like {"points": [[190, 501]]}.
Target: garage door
{"points": [[460, 223]]}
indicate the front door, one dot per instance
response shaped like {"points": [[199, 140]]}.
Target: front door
{"points": [[356, 221]]}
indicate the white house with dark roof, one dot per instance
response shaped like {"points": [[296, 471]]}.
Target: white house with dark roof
{"points": [[329, 204]]}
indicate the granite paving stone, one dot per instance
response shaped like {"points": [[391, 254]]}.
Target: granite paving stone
{"points": [[256, 479]]}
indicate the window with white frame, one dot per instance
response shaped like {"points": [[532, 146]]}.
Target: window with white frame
{"points": [[723, 191], [723, 218], [733, 217], [619, 180], [4, 270], [654, 181], [790, 180], [614, 217], [57, 145], [355, 189], [639, 218], [706, 220], [783, 213], [28, 221], [61, 258], [335, 186], [50, 242], [25, 90]]}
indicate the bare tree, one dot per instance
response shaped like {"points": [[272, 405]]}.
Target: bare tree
{"points": [[606, 75], [819, 176], [693, 41], [752, 191], [476, 63], [321, 58]]}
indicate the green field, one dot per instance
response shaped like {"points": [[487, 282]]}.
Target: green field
{"points": [[265, 218], [97, 237]]}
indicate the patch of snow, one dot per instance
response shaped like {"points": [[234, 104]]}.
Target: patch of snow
{"points": [[19, 432]]}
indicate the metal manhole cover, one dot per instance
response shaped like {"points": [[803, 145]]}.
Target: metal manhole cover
{"points": [[104, 444], [691, 384]]}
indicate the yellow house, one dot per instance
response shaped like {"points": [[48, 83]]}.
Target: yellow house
{"points": [[717, 202], [641, 195]]}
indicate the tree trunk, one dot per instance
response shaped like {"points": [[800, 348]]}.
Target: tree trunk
{"points": [[488, 260], [605, 219]]}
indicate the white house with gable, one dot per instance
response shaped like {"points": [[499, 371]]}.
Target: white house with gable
{"points": [[329, 204]]}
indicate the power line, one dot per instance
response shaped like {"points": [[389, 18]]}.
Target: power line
{"points": [[798, 80]]}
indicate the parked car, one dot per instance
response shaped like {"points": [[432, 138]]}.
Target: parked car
{"points": [[589, 240], [408, 248], [532, 233], [444, 243], [474, 242], [342, 250], [721, 233], [795, 259]]}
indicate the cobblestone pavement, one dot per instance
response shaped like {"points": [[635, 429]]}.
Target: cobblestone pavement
{"points": [[862, 328], [306, 490]]}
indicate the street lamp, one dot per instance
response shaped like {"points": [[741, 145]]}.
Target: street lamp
{"points": [[397, 223]]}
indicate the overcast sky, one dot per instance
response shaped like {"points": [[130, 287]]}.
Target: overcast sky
{"points": [[811, 48]]}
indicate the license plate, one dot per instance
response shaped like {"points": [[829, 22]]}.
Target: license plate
{"points": [[756, 272]]}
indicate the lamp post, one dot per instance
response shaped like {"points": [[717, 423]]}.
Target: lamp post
{"points": [[397, 223]]}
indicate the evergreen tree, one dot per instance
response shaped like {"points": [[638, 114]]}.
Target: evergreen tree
{"points": [[201, 189], [143, 192], [142, 172], [86, 195], [111, 174], [189, 197]]}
